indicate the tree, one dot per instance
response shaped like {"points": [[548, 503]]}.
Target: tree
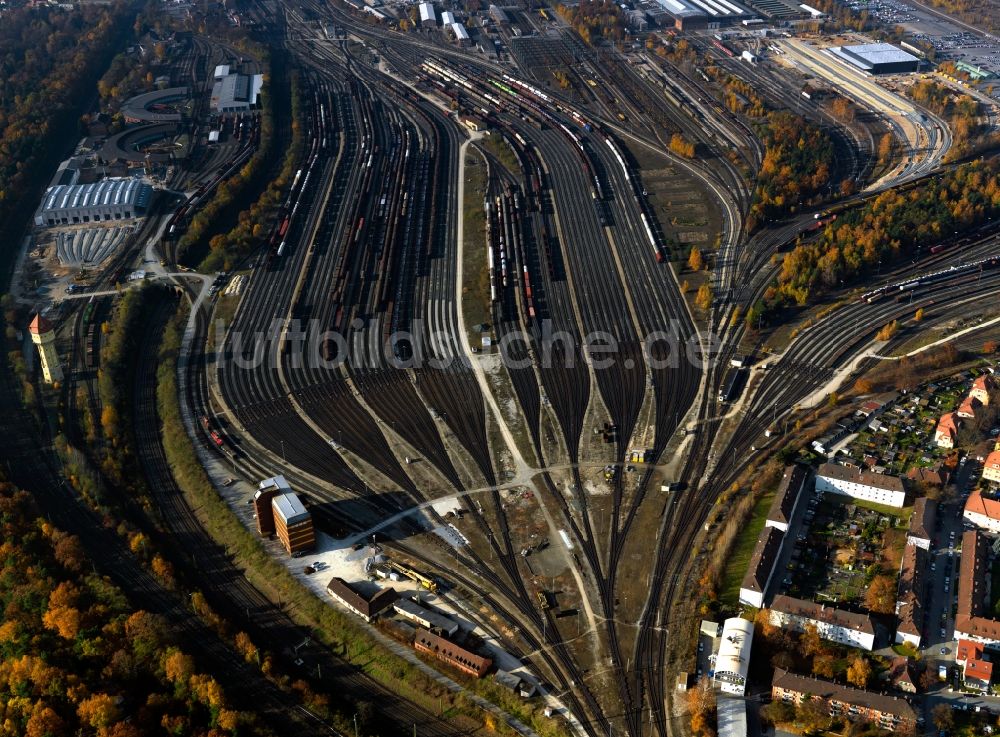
{"points": [[44, 722], [810, 641], [685, 287], [695, 260], [943, 717], [859, 672], [990, 347], [880, 597], [832, 400], [824, 666], [779, 712], [704, 297], [813, 714], [918, 315], [681, 146], [98, 711], [701, 708], [886, 145], [863, 386], [887, 331]]}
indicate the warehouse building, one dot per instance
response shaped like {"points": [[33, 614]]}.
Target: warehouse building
{"points": [[292, 523], [109, 199], [878, 58], [461, 35], [236, 93], [428, 17], [694, 14]]}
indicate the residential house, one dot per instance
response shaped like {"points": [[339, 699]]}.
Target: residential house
{"points": [[971, 619], [901, 675], [787, 497], [922, 523], [865, 485], [910, 595], [991, 468], [977, 674], [982, 387], [983, 512], [891, 713], [852, 629], [761, 568], [946, 433], [937, 475], [968, 408]]}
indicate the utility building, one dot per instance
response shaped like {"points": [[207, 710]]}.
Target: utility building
{"points": [[43, 335]]}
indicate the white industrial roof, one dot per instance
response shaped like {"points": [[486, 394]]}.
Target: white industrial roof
{"points": [[96, 194], [289, 507], [734, 647], [460, 33], [880, 53], [221, 71], [677, 8], [427, 12], [447, 18]]}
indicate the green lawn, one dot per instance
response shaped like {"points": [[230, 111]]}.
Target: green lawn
{"points": [[739, 559]]}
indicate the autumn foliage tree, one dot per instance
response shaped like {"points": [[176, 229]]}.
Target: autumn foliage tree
{"points": [[76, 660], [701, 708], [695, 260], [889, 227], [880, 597], [859, 672]]}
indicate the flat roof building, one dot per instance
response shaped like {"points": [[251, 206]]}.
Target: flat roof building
{"points": [[108, 199], [733, 660], [292, 523], [878, 58]]}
